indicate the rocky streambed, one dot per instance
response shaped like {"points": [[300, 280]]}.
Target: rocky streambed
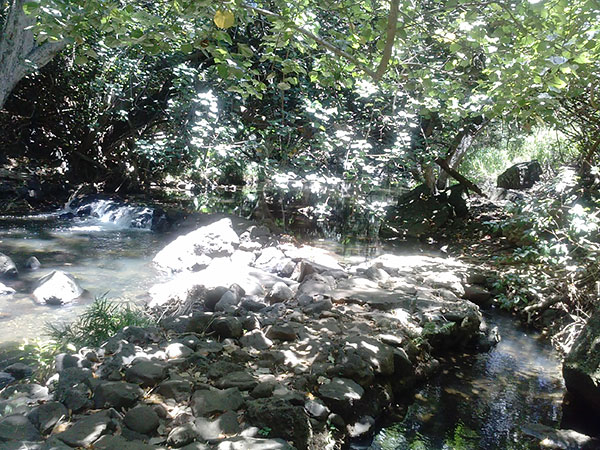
{"points": [[261, 344]]}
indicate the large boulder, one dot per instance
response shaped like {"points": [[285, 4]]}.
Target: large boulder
{"points": [[581, 367], [57, 288], [8, 269], [520, 176], [193, 251]]}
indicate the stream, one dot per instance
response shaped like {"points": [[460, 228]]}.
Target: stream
{"points": [[476, 402]]}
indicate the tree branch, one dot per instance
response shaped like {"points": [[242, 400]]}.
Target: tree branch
{"points": [[458, 177], [389, 42], [329, 46]]}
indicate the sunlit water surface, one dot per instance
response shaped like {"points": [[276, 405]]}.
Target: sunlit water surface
{"points": [[104, 257]]}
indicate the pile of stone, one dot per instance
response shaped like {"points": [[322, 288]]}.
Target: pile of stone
{"points": [[261, 345]]}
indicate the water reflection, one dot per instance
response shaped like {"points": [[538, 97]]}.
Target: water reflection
{"points": [[480, 401]]}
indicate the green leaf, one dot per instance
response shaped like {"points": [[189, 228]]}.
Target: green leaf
{"points": [[283, 86], [31, 7]]}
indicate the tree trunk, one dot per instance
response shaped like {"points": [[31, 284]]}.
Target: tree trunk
{"points": [[20, 55], [459, 148]]}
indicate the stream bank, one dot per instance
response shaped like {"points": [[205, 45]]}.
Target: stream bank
{"points": [[259, 340]]}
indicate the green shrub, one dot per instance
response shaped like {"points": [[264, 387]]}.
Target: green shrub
{"points": [[101, 320]]}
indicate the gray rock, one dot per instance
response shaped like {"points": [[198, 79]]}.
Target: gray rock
{"points": [[282, 333], [318, 307], [8, 269], [57, 288], [316, 409], [47, 415], [256, 339], [225, 425], [182, 435], [33, 263], [214, 401], [316, 284], [146, 373], [5, 379], [478, 295], [178, 390], [560, 439], [264, 389], [380, 356], [280, 292], [228, 302], [271, 260], [250, 304], [192, 252], [54, 444], [341, 395], [142, 419], [5, 290], [88, 429], [227, 327], [520, 176], [64, 361], [197, 446], [19, 370], [213, 296], [285, 420], [116, 394], [178, 350], [248, 443], [109, 442], [241, 380], [18, 428]]}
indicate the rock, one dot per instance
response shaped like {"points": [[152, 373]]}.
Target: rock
{"points": [[264, 389], [178, 390], [47, 415], [445, 280], [285, 420], [5, 290], [282, 333], [250, 304], [225, 425], [213, 296], [582, 364], [178, 350], [560, 439], [5, 379], [108, 442], [361, 427], [241, 380], [197, 446], [215, 401], [33, 263], [341, 395], [247, 443], [146, 373], [116, 394], [380, 356], [142, 419], [520, 176], [192, 252], [271, 260], [256, 339], [8, 269], [319, 306], [182, 435], [280, 292], [57, 288], [316, 284], [316, 409], [88, 429], [19, 370], [478, 295], [18, 428], [227, 327], [64, 361], [228, 302]]}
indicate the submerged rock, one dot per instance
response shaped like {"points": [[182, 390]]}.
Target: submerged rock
{"points": [[57, 288], [8, 269]]}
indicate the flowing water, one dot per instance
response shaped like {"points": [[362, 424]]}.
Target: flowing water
{"points": [[478, 402], [109, 252]]}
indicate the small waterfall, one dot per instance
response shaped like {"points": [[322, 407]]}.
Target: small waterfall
{"points": [[106, 212]]}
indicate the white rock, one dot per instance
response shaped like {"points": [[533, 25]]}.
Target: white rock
{"points": [[57, 288]]}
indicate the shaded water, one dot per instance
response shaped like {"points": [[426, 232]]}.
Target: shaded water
{"points": [[103, 256], [480, 401]]}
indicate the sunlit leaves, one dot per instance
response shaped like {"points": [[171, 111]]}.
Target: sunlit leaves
{"points": [[224, 19]]}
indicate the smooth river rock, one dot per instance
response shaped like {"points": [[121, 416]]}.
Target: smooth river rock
{"points": [[57, 288]]}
